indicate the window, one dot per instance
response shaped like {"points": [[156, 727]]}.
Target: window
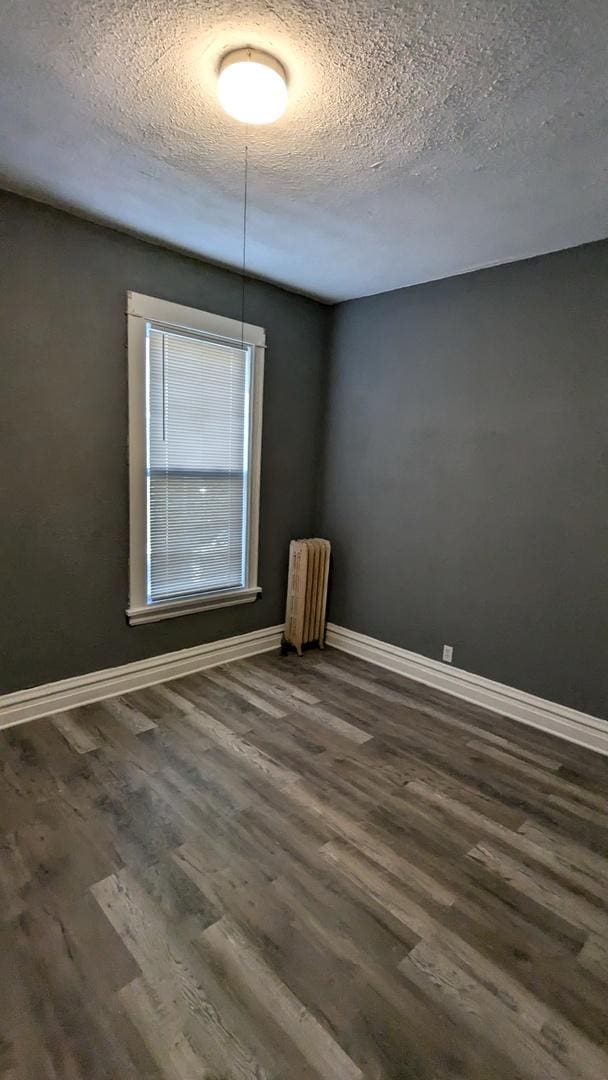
{"points": [[195, 411]]}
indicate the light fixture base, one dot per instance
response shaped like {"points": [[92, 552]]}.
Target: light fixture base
{"points": [[256, 56]]}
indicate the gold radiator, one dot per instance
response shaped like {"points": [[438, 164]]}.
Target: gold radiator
{"points": [[306, 593]]}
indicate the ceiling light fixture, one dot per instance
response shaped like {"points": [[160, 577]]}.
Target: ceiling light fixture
{"points": [[252, 86]]}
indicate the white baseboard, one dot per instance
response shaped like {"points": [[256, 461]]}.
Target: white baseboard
{"points": [[82, 689], [577, 727]]}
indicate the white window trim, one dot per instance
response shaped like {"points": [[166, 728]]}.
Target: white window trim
{"points": [[140, 310]]}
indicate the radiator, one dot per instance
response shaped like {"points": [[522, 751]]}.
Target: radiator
{"points": [[306, 593]]}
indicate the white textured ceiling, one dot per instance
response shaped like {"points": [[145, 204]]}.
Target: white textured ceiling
{"points": [[422, 138]]}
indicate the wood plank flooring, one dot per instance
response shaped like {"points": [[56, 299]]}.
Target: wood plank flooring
{"points": [[286, 869]]}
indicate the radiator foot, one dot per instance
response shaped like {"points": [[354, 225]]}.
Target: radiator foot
{"points": [[286, 647]]}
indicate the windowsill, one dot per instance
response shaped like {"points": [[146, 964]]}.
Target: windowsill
{"points": [[173, 609]]}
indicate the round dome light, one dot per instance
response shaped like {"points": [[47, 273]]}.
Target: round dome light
{"points": [[252, 86]]}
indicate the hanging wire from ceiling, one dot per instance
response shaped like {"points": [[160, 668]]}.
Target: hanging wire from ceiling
{"points": [[244, 253]]}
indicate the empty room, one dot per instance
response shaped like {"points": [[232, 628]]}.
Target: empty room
{"points": [[304, 540]]}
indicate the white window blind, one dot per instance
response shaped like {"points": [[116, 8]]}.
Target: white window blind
{"points": [[195, 437], [197, 464]]}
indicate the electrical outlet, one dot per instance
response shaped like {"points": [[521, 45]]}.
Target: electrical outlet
{"points": [[448, 653]]}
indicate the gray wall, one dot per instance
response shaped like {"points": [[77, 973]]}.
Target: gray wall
{"points": [[63, 440], [466, 472]]}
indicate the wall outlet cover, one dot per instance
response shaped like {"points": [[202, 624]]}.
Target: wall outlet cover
{"points": [[448, 653]]}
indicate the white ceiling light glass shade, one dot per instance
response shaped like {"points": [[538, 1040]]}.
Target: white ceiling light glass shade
{"points": [[252, 86]]}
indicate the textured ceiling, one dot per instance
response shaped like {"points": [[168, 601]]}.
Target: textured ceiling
{"points": [[422, 138]]}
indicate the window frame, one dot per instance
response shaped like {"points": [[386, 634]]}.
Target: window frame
{"points": [[142, 310]]}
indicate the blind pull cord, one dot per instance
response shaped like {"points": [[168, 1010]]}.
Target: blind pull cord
{"points": [[165, 388]]}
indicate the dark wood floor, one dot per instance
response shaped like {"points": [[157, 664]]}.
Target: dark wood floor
{"points": [[297, 869]]}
